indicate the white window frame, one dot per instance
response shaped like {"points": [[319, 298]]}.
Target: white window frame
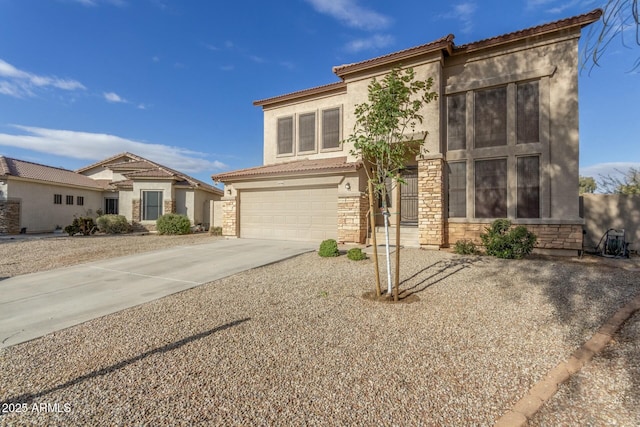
{"points": [[144, 215]]}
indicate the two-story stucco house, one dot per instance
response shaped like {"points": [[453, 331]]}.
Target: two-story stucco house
{"points": [[502, 143]]}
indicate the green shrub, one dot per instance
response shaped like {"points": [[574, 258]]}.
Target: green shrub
{"points": [[329, 248], [216, 231], [502, 241], [113, 224], [356, 254], [465, 247], [173, 224], [82, 225]]}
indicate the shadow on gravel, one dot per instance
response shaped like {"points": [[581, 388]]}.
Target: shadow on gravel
{"points": [[433, 274], [584, 297], [29, 397]]}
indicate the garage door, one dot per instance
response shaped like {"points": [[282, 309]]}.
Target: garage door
{"points": [[289, 214]]}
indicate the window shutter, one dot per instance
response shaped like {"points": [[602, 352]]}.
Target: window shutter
{"points": [[331, 128], [307, 132], [528, 187], [285, 135], [457, 121], [457, 189], [491, 188], [528, 114], [491, 117]]}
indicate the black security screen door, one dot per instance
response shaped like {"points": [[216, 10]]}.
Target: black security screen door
{"points": [[409, 197]]}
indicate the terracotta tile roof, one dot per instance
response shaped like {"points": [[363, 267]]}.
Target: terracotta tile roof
{"points": [[35, 171], [296, 167], [325, 89], [442, 43], [133, 165], [575, 21]]}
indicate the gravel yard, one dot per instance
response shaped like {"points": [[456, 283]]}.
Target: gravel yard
{"points": [[295, 343]]}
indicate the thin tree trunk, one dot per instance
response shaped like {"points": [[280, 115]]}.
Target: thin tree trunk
{"points": [[398, 216], [373, 237]]}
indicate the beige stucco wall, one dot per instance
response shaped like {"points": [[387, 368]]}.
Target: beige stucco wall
{"points": [[39, 213], [604, 211], [101, 172], [357, 92], [167, 193], [202, 206]]}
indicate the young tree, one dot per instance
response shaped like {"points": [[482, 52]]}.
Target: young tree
{"points": [[587, 185], [620, 18], [385, 135], [628, 184]]}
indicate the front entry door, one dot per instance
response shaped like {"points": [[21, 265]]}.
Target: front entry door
{"points": [[409, 196]]}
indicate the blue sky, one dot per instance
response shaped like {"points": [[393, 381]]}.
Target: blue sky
{"points": [[174, 80]]}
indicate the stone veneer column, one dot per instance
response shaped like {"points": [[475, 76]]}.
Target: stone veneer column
{"points": [[352, 218], [169, 206], [431, 226], [135, 213], [229, 217], [10, 216]]}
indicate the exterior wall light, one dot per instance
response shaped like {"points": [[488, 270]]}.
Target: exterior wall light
{"points": [[347, 186]]}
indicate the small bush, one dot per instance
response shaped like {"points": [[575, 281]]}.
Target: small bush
{"points": [[113, 224], [356, 254], [216, 231], [502, 241], [329, 248], [173, 224], [82, 225], [465, 247]]}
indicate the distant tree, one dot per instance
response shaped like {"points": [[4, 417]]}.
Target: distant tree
{"points": [[384, 136], [587, 185], [621, 19], [629, 183]]}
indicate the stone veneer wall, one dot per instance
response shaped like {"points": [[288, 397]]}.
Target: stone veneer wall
{"points": [[352, 218], [9, 216], [229, 217], [550, 236], [431, 228]]}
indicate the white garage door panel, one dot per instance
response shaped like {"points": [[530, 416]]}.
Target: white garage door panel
{"points": [[289, 214]]}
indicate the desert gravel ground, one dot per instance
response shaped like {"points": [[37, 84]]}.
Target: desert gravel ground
{"points": [[295, 343]]}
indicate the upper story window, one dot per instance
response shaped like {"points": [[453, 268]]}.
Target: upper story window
{"points": [[490, 117], [457, 121], [528, 114], [302, 134], [57, 199], [307, 132], [285, 135], [80, 201], [69, 200], [331, 128]]}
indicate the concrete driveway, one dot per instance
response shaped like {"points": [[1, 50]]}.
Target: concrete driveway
{"points": [[36, 304]]}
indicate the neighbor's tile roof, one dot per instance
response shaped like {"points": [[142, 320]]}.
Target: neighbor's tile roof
{"points": [[296, 167], [35, 171], [139, 167]]}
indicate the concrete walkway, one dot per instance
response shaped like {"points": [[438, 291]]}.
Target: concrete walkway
{"points": [[36, 304]]}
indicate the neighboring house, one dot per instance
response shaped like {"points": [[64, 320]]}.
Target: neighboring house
{"points": [[39, 197], [503, 143]]}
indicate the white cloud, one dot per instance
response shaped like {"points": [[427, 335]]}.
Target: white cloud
{"points": [[19, 84], [463, 12], [607, 169], [377, 41], [351, 14], [114, 97], [74, 145]]}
